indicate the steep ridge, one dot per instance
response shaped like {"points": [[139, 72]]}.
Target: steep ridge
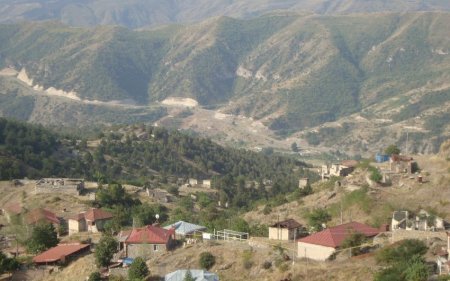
{"points": [[293, 72], [142, 13]]}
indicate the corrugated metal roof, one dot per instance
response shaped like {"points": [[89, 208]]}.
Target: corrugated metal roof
{"points": [[185, 228], [197, 274], [334, 236], [59, 252]]}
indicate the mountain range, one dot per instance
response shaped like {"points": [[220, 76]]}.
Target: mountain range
{"points": [[142, 13], [293, 72]]}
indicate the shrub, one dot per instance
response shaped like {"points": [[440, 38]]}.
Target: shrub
{"points": [[267, 209], [42, 238], [95, 276], [138, 269], [105, 250], [207, 260], [266, 265], [247, 256]]}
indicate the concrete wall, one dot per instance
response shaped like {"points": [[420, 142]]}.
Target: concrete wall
{"points": [[98, 226], [279, 233], [76, 226], [144, 250], [314, 252]]}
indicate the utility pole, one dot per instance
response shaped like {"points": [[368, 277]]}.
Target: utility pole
{"points": [[306, 267], [342, 216], [406, 148]]}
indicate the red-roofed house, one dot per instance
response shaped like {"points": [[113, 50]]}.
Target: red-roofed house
{"points": [[145, 241], [41, 215], [61, 253], [93, 220], [321, 245]]}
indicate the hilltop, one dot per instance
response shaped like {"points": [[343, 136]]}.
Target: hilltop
{"points": [[142, 13], [351, 82]]}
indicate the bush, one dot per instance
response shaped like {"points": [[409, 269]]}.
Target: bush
{"points": [[247, 256], [266, 265], [207, 260], [267, 210], [318, 217], [375, 175], [138, 269], [105, 250], [42, 238], [95, 276]]}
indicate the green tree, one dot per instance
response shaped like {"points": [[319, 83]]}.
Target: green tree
{"points": [[416, 270], [7, 264], [318, 217], [404, 262], [138, 270], [375, 175], [188, 276], [207, 260], [392, 149], [43, 237], [105, 250], [294, 147], [95, 276], [354, 240]]}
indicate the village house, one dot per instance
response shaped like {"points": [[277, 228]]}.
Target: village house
{"points": [[197, 274], [303, 182], [192, 182], [12, 210], [147, 241], [206, 183], [286, 230], [185, 229], [160, 196], [61, 254], [402, 164], [322, 245], [41, 215], [93, 221], [64, 185], [341, 169], [423, 221]]}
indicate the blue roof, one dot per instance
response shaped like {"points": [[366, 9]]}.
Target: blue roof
{"points": [[185, 228], [197, 274]]}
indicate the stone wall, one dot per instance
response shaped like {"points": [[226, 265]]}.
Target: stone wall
{"points": [[401, 234]]}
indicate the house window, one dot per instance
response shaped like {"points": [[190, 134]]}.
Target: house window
{"points": [[155, 248]]}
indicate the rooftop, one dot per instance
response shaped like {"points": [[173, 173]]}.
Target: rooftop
{"points": [[289, 224], [334, 236], [97, 214], [185, 228], [149, 235], [41, 215], [59, 252]]}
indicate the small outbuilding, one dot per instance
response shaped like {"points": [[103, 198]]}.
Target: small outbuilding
{"points": [[285, 230], [61, 254]]}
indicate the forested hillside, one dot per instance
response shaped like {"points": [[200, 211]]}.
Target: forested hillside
{"points": [[30, 151]]}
